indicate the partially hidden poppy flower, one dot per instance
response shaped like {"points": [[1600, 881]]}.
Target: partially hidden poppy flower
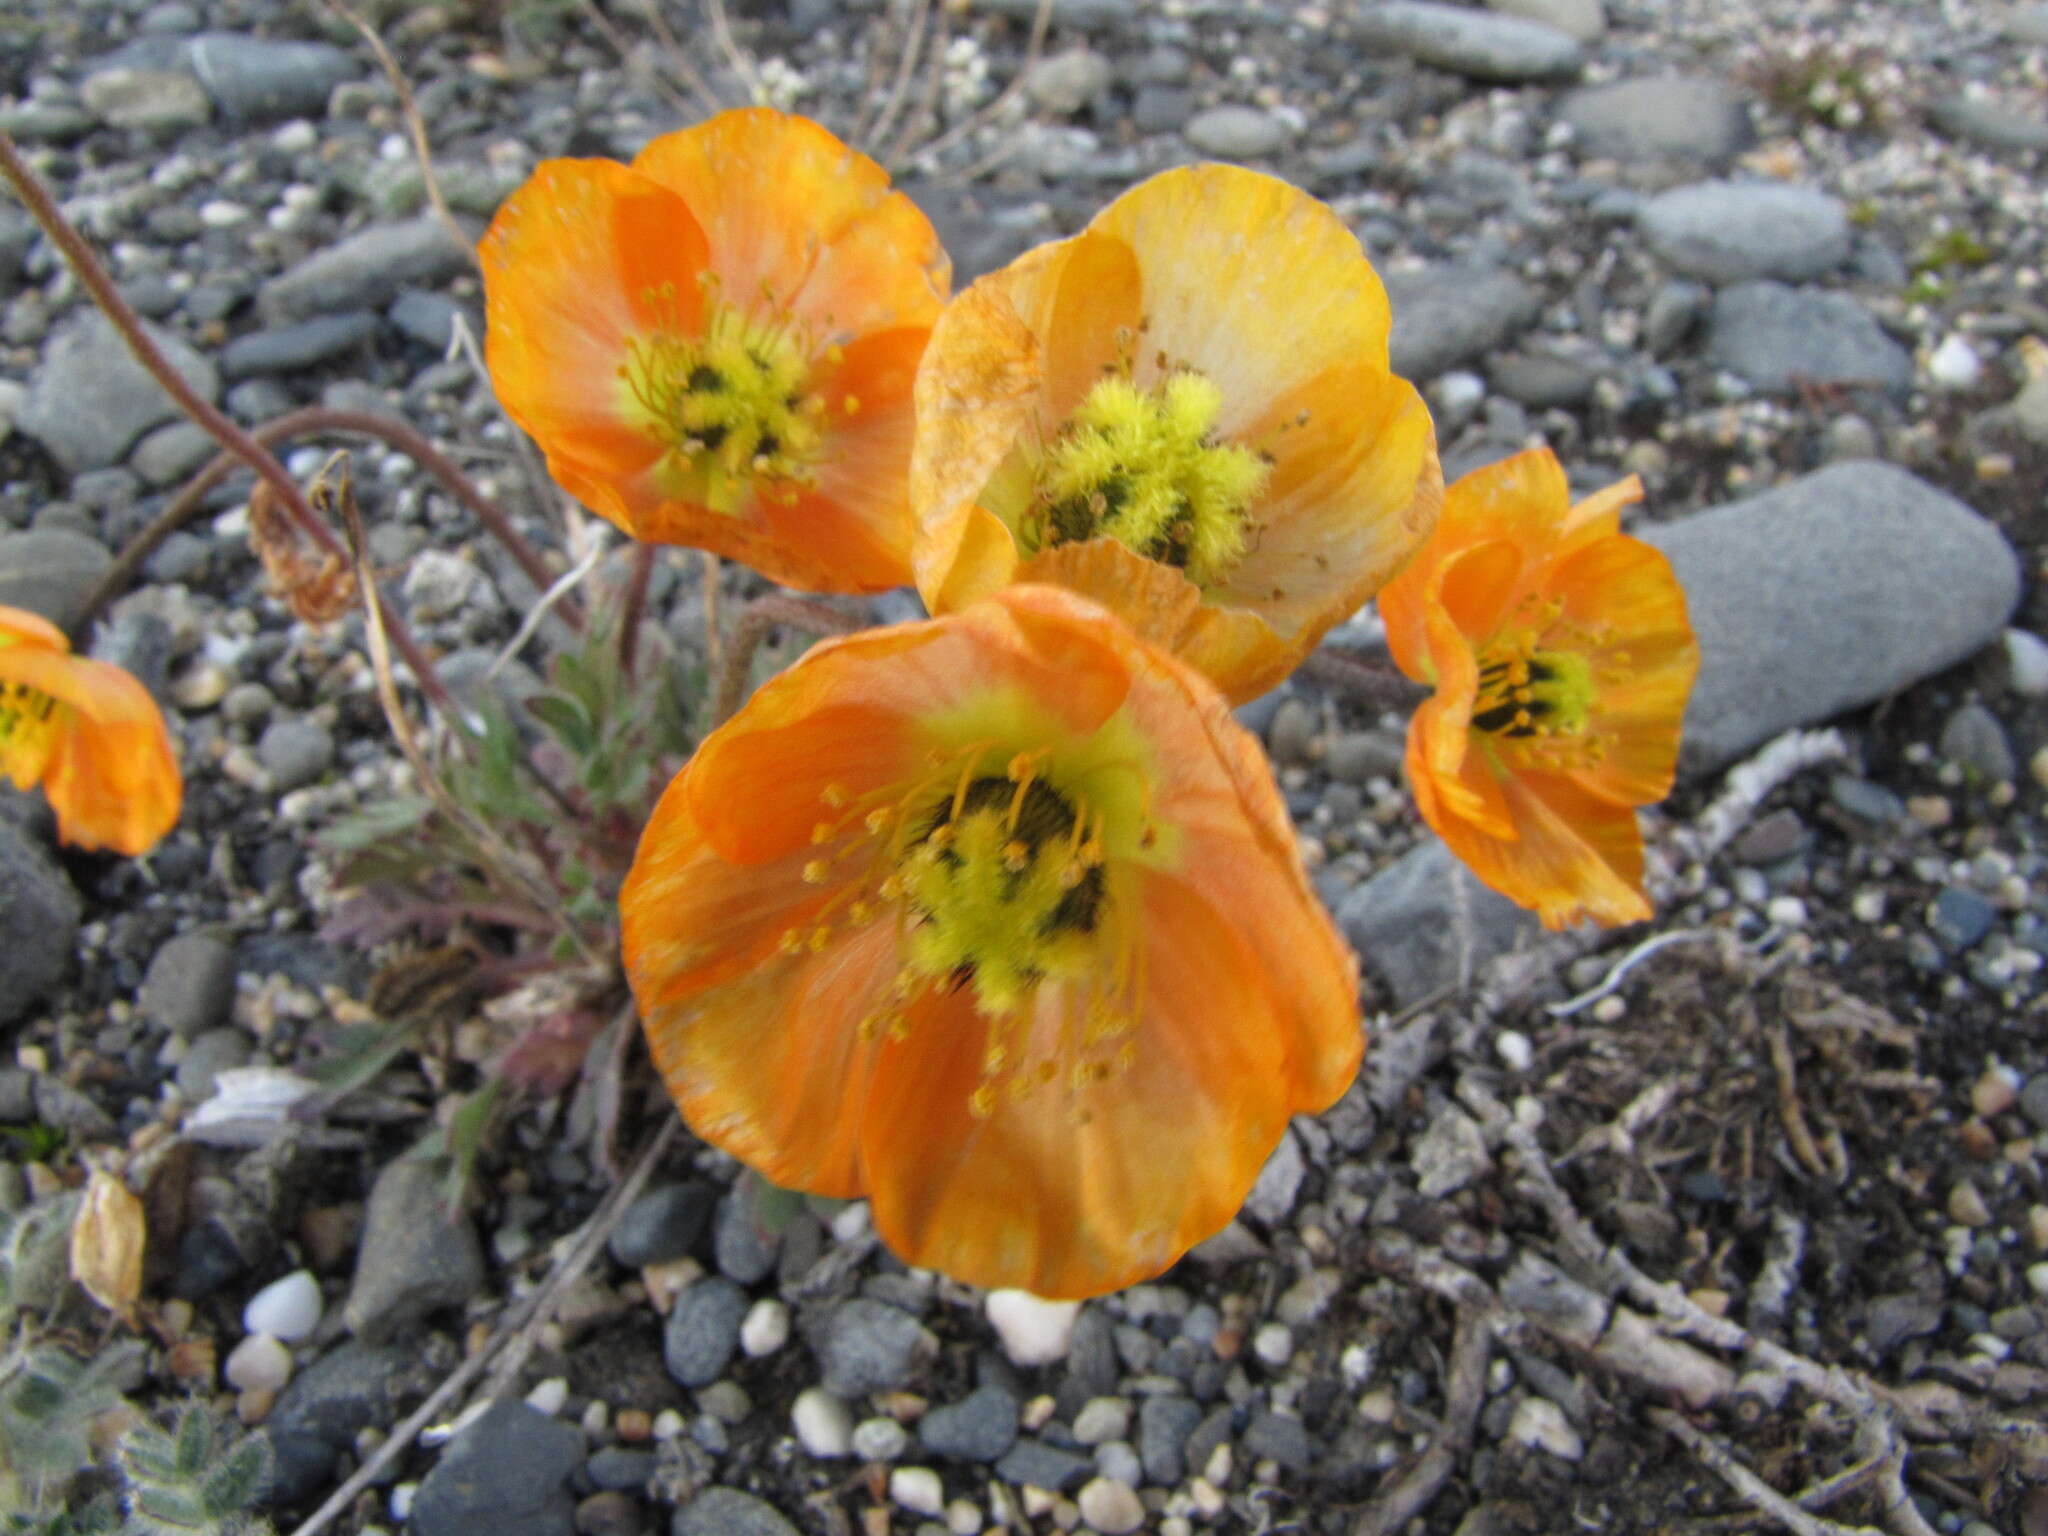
{"points": [[90, 734], [1561, 657], [715, 345], [1186, 412], [997, 920]]}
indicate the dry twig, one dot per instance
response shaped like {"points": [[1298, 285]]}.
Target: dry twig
{"points": [[1464, 1393], [765, 613], [1725, 1465]]}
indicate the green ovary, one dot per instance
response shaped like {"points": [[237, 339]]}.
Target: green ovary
{"points": [[1143, 467]]}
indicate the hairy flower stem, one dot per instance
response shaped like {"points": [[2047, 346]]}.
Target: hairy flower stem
{"points": [[762, 615], [635, 606], [1371, 683], [93, 277]]}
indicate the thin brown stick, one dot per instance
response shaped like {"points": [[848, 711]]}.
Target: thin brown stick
{"points": [[526, 1320], [735, 56], [1464, 1393], [757, 619], [314, 419], [709, 568], [634, 608], [1790, 1111], [925, 117], [415, 125], [679, 56], [1724, 1464], [1364, 682], [906, 67]]}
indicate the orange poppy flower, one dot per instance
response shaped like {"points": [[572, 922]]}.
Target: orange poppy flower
{"points": [[1561, 657], [715, 345], [90, 734], [1184, 411], [997, 920]]}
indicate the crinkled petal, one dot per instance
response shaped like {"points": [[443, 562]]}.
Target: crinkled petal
{"points": [[111, 775]]}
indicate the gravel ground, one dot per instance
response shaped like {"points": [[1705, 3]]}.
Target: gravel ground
{"points": [[1782, 261]]}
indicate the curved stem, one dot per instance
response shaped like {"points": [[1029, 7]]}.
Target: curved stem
{"points": [[756, 620]]}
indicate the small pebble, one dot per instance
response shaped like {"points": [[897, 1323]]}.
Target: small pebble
{"points": [[258, 1364], [1966, 1206], [880, 1439], [1929, 810], [1274, 1344], [1516, 1053], [549, 1397], [823, 1424], [1034, 1331], [963, 1518], [1541, 1424], [765, 1328], [1610, 1008], [633, 1425], [918, 1490], [1102, 1419], [1111, 1507], [668, 1425], [287, 1309], [1996, 1091], [2037, 1277]]}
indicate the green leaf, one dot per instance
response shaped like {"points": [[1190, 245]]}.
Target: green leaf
{"points": [[378, 822], [567, 719], [361, 1052]]}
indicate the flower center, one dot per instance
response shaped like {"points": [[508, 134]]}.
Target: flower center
{"points": [[1539, 682], [732, 404], [1144, 467], [28, 730]]}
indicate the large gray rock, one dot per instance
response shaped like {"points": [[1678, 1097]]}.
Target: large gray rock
{"points": [[51, 571], [1784, 339], [507, 1473], [1477, 44], [1447, 315], [1403, 922], [90, 399], [148, 99], [366, 271], [190, 984], [1582, 20], [1687, 118], [1990, 124], [729, 1512], [39, 913], [414, 1257], [321, 1411], [1732, 231], [1826, 594], [253, 78]]}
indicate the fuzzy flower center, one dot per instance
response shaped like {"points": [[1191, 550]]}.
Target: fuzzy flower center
{"points": [[997, 870], [732, 404], [1144, 467], [28, 730], [1539, 686]]}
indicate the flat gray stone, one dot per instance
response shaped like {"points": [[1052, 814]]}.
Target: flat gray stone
{"points": [[980, 1427], [1732, 231], [39, 913], [90, 400], [1447, 315], [1480, 45], [366, 271], [703, 1331], [1235, 132], [254, 78], [172, 452], [414, 1258], [148, 99], [190, 984], [323, 1409], [1404, 926], [1827, 594], [507, 1473], [290, 348], [1581, 20], [1681, 118], [728, 1512], [869, 1346], [50, 571], [1784, 339], [1990, 124]]}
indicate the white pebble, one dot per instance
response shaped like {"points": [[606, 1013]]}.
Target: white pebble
{"points": [[766, 1328], [1868, 905], [2037, 1277], [549, 1397], [963, 1517], [1786, 911], [400, 1502], [1955, 364], [1459, 391], [1610, 1008], [1111, 1507], [822, 1423], [851, 1223], [1516, 1053], [1540, 1423], [258, 1364], [1034, 1331], [221, 214], [287, 1309], [1274, 1344], [2026, 659], [1102, 1419], [918, 1490], [296, 136], [668, 1425]]}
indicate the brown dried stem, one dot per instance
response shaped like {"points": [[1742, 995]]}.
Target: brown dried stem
{"points": [[1724, 1464], [415, 125], [1041, 21], [634, 608], [906, 67], [93, 277], [757, 619], [1371, 684]]}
